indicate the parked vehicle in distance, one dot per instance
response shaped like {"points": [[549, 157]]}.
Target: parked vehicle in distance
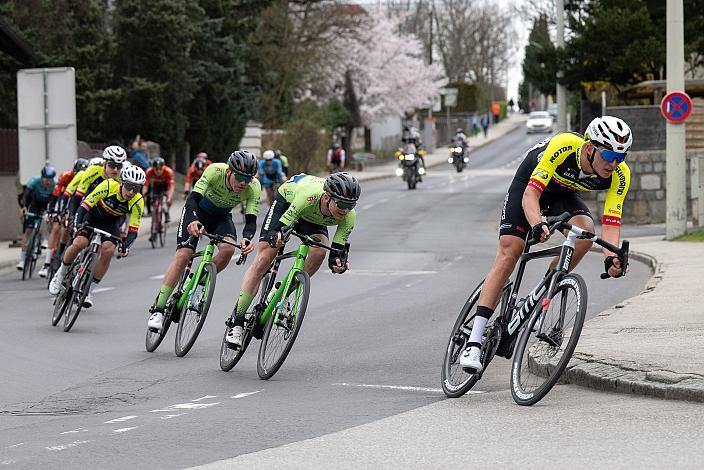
{"points": [[539, 121], [552, 111]]}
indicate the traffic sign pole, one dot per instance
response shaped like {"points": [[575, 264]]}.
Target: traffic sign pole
{"points": [[676, 159]]}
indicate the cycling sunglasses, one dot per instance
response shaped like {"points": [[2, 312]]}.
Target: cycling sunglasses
{"points": [[134, 187], [610, 155], [344, 205], [114, 165], [243, 178]]}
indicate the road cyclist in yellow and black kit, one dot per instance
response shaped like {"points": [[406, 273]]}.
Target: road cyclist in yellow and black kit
{"points": [[104, 209], [548, 181], [209, 208], [316, 203], [114, 157]]}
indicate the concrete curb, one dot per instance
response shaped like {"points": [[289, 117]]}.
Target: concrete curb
{"points": [[628, 376]]}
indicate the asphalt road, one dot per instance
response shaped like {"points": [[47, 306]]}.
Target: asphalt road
{"points": [[371, 346]]}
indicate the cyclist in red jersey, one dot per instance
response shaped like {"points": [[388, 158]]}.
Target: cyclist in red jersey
{"points": [[160, 179], [195, 171]]}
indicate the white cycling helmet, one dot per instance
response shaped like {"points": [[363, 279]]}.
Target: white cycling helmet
{"points": [[133, 174], [610, 132], [114, 153], [268, 155], [96, 161]]}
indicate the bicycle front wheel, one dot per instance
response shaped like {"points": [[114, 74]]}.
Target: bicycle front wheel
{"points": [[61, 302], [283, 327], [76, 300], [28, 269], [547, 342], [193, 315]]}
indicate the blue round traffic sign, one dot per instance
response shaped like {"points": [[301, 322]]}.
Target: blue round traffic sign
{"points": [[676, 106]]}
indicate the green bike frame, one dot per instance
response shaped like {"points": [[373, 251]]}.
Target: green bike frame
{"points": [[300, 258], [207, 255]]}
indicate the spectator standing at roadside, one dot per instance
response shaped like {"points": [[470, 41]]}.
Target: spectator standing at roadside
{"points": [[138, 153], [495, 111], [510, 106], [485, 124]]}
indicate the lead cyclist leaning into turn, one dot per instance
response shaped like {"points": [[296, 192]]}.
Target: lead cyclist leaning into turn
{"points": [[548, 179]]}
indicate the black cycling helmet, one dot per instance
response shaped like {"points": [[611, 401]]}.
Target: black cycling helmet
{"points": [[80, 164], [199, 163], [48, 172], [158, 162], [242, 162], [342, 186]]}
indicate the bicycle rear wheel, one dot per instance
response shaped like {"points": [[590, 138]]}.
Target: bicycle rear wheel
{"points": [[195, 310], [76, 300], [230, 357], [28, 269], [547, 342], [280, 333], [455, 381], [162, 229], [154, 231]]}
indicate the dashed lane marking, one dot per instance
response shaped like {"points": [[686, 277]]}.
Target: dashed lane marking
{"points": [[205, 397], [73, 431], [158, 276], [371, 272], [172, 416], [66, 446], [406, 388], [98, 290], [246, 394], [121, 430], [120, 420]]}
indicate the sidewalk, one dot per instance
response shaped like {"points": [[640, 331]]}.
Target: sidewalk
{"points": [[441, 153], [651, 344]]}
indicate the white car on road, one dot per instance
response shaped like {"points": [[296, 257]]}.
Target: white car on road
{"points": [[539, 121]]}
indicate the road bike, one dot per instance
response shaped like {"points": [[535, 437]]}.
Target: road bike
{"points": [[33, 249], [540, 331], [57, 255], [159, 225], [190, 301], [76, 283], [277, 316]]}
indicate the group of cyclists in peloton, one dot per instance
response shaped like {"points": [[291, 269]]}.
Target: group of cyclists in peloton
{"points": [[101, 192]]}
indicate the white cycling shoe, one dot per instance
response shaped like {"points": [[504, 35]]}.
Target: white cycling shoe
{"points": [[44, 272], [235, 336], [471, 359], [88, 301], [156, 321], [20, 266], [55, 284]]}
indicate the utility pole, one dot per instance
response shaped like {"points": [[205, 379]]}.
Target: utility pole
{"points": [[676, 158], [561, 93]]}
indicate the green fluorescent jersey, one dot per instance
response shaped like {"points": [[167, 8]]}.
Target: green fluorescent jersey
{"points": [[303, 192], [218, 199]]}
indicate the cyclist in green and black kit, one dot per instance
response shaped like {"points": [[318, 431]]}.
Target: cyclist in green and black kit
{"points": [[209, 207], [316, 203]]}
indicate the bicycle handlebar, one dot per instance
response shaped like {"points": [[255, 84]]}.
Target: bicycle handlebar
{"points": [[560, 222], [215, 238], [307, 239]]}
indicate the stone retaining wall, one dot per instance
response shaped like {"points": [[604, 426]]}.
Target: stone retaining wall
{"points": [[645, 202]]}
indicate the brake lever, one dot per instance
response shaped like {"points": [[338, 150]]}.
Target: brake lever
{"points": [[622, 258]]}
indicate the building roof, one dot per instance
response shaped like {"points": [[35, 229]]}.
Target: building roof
{"points": [[649, 88]]}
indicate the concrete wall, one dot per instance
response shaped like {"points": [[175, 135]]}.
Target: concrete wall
{"points": [[386, 133], [9, 210], [645, 201], [252, 139]]}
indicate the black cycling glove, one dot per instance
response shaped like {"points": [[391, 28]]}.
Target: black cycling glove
{"points": [[537, 231]]}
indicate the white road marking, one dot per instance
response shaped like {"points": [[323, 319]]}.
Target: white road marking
{"points": [[98, 290], [205, 397], [74, 431], [121, 430], [246, 394], [7, 462], [158, 276], [119, 420], [172, 416], [368, 206], [371, 272], [400, 387], [411, 284], [381, 201], [160, 411], [192, 406], [15, 445], [67, 446]]}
